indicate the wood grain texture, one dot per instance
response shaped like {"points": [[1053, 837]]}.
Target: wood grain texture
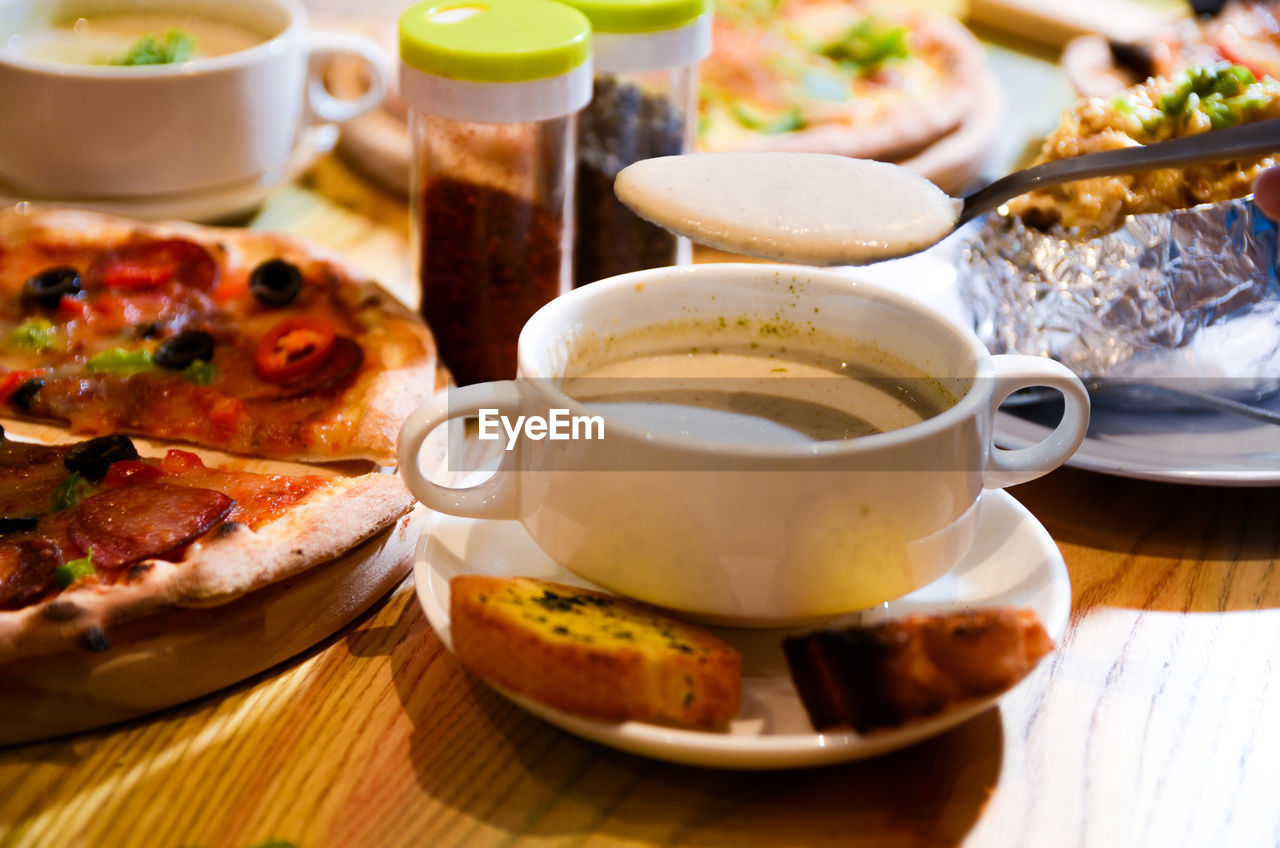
{"points": [[1157, 722], [1154, 724]]}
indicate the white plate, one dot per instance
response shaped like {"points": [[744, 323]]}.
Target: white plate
{"points": [[1013, 562], [1207, 448], [220, 203], [1172, 446]]}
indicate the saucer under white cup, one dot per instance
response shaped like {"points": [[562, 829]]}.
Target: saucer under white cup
{"points": [[1013, 562], [229, 203]]}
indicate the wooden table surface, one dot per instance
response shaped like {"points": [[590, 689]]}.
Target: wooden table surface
{"points": [[1157, 722]]}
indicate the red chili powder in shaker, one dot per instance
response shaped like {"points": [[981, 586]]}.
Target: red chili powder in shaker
{"points": [[490, 260]]}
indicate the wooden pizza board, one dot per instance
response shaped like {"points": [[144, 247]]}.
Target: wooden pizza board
{"points": [[179, 653]]}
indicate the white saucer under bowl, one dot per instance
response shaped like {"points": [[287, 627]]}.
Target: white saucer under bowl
{"points": [[1013, 562], [221, 203]]}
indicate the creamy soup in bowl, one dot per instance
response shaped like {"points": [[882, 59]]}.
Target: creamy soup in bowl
{"points": [[119, 36], [165, 97], [133, 38], [753, 393]]}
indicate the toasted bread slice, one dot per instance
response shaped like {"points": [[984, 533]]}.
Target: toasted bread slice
{"points": [[922, 665], [590, 653]]}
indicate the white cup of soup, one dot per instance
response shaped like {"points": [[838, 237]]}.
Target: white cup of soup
{"points": [[752, 445], [235, 84]]}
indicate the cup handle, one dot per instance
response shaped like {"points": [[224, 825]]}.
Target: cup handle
{"points": [[496, 497], [1014, 372], [324, 46]]}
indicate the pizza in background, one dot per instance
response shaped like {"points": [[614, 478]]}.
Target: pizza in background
{"points": [[831, 76]]}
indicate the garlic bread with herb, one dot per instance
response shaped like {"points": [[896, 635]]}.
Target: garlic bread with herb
{"points": [[592, 654]]}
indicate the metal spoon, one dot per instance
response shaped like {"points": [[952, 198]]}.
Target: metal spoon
{"points": [[1254, 139], [829, 210]]}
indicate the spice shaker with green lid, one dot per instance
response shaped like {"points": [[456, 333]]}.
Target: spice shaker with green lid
{"points": [[646, 55], [493, 89]]}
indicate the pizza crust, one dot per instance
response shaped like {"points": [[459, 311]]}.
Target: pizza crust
{"points": [[954, 162], [330, 522]]}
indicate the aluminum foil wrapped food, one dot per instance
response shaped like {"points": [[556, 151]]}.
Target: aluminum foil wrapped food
{"points": [[1191, 295]]}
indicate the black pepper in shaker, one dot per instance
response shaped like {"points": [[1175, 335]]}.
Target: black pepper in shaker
{"points": [[644, 104]]}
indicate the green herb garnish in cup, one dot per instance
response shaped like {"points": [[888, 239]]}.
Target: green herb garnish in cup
{"points": [[174, 46]]}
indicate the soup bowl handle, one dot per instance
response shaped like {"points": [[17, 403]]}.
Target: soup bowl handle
{"points": [[1014, 372], [497, 496], [325, 46]]}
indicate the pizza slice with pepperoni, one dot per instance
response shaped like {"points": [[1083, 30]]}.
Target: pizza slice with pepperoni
{"points": [[93, 534]]}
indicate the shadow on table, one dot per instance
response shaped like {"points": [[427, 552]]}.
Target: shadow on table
{"points": [[499, 767], [1184, 548]]}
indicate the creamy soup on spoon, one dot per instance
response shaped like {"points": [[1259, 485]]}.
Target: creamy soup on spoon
{"points": [[814, 209]]}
